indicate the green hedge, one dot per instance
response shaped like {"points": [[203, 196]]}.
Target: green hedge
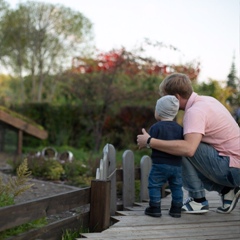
{"points": [[75, 126]]}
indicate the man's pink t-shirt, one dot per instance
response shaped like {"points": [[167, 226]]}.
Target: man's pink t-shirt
{"points": [[209, 117]]}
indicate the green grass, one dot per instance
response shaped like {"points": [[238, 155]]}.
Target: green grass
{"points": [[70, 234], [6, 200], [23, 228]]}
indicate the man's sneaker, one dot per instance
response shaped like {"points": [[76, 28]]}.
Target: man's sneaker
{"points": [[190, 206], [229, 201], [153, 211]]}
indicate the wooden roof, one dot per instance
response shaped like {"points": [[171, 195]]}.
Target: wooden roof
{"points": [[22, 125]]}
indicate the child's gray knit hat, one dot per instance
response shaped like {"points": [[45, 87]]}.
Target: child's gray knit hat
{"points": [[167, 107]]}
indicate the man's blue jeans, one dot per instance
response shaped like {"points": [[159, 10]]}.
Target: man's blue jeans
{"points": [[159, 175], [207, 170]]}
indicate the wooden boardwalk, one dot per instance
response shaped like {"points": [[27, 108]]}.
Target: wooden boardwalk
{"points": [[133, 224]]}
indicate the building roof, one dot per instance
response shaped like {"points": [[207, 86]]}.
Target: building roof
{"points": [[15, 121]]}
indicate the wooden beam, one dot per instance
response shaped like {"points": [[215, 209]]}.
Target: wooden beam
{"points": [[15, 215], [22, 125]]}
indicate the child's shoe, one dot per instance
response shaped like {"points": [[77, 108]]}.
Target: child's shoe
{"points": [[175, 210], [153, 211]]}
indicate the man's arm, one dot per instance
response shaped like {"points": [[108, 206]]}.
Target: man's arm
{"points": [[186, 147]]}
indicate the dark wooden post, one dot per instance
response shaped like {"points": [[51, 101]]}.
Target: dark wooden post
{"points": [[2, 137], [20, 140], [100, 205]]}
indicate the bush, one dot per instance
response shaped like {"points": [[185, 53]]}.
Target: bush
{"points": [[15, 186], [49, 169], [52, 170]]}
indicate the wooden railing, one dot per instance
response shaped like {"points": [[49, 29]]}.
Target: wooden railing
{"points": [[16, 215], [95, 205]]}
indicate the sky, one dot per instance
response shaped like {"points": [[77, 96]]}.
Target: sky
{"points": [[207, 31]]}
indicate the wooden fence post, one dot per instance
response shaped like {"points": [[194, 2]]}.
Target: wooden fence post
{"points": [[112, 177], [20, 140], [145, 165], [128, 187], [107, 171], [100, 205]]}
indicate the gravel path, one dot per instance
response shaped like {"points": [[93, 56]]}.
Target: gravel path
{"points": [[40, 189]]}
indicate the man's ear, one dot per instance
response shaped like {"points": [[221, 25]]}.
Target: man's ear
{"points": [[178, 96]]}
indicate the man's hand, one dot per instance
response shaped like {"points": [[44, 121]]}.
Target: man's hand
{"points": [[142, 139]]}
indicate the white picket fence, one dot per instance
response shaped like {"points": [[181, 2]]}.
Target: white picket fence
{"points": [[107, 171]]}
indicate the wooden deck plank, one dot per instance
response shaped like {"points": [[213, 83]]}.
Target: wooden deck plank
{"points": [[175, 227], [169, 233], [143, 220], [134, 224], [183, 232], [223, 237]]}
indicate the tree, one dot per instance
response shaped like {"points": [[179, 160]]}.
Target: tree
{"points": [[40, 38], [104, 84], [192, 68], [111, 81], [214, 89], [4, 6], [3, 9], [232, 78], [6, 94], [234, 83]]}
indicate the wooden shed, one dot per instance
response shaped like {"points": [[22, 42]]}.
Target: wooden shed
{"points": [[20, 125]]}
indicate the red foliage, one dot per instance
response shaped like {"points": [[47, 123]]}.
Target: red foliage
{"points": [[130, 65], [191, 71], [104, 62]]}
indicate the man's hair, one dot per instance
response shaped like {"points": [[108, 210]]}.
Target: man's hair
{"points": [[176, 83]]}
